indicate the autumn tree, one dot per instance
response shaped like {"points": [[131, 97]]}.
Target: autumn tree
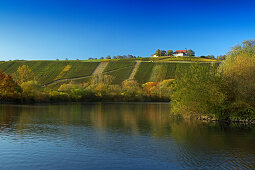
{"points": [[169, 52], [100, 83], [157, 53], [23, 74], [131, 88], [8, 87]]}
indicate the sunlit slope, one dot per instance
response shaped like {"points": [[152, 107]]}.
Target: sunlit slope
{"points": [[120, 70], [48, 71], [158, 71], [52, 71]]}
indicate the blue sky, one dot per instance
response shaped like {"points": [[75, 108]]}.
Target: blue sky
{"points": [[50, 29]]}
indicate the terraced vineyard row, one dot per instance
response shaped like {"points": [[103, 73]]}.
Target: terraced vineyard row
{"points": [[149, 71], [119, 70]]}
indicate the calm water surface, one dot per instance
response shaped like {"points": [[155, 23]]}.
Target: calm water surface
{"points": [[117, 136]]}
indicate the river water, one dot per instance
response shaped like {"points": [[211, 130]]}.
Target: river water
{"points": [[118, 136]]}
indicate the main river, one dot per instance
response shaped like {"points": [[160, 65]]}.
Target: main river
{"points": [[118, 136]]}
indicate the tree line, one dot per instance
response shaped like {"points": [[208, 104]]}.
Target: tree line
{"points": [[161, 53], [116, 57]]}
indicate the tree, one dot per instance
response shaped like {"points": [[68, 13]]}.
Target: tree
{"points": [[101, 58], [198, 91], [8, 87], [101, 83], [221, 57], [169, 52], [210, 57], [239, 72], [131, 56], [23, 74], [108, 57], [30, 88], [157, 53], [190, 53], [163, 53], [131, 88]]}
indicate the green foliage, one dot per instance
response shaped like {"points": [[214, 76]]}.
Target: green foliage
{"points": [[225, 93], [131, 88], [30, 87], [197, 91], [190, 53], [241, 111], [169, 52], [157, 53], [238, 71], [160, 53], [100, 84]]}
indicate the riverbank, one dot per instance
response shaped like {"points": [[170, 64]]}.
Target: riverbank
{"points": [[234, 121], [58, 99]]}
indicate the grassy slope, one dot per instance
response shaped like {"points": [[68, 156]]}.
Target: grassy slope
{"points": [[148, 71], [47, 71], [120, 70]]}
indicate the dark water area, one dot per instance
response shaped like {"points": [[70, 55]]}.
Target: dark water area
{"points": [[118, 136]]}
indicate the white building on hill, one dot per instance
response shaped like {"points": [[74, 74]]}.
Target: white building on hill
{"points": [[181, 53]]}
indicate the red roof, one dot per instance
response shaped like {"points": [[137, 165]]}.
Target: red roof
{"points": [[181, 51]]}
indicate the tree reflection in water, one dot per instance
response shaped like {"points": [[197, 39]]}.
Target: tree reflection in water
{"points": [[138, 130]]}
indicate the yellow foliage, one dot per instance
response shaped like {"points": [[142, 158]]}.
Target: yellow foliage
{"points": [[23, 74]]}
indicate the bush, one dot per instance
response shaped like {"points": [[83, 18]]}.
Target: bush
{"points": [[197, 91], [131, 88]]}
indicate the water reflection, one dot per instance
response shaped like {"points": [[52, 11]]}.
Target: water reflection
{"points": [[120, 136]]}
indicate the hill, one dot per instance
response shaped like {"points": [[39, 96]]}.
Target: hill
{"points": [[149, 69]]}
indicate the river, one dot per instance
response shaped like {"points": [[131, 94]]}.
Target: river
{"points": [[118, 136]]}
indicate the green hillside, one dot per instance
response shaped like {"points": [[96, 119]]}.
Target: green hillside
{"points": [[119, 70], [48, 71], [151, 71], [53, 71]]}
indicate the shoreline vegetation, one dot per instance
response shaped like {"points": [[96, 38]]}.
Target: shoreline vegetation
{"points": [[208, 90]]}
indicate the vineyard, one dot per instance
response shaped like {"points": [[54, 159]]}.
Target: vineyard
{"points": [[52, 71], [48, 71], [158, 71], [119, 70]]}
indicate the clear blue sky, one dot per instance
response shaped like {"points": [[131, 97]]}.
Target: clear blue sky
{"points": [[50, 29]]}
